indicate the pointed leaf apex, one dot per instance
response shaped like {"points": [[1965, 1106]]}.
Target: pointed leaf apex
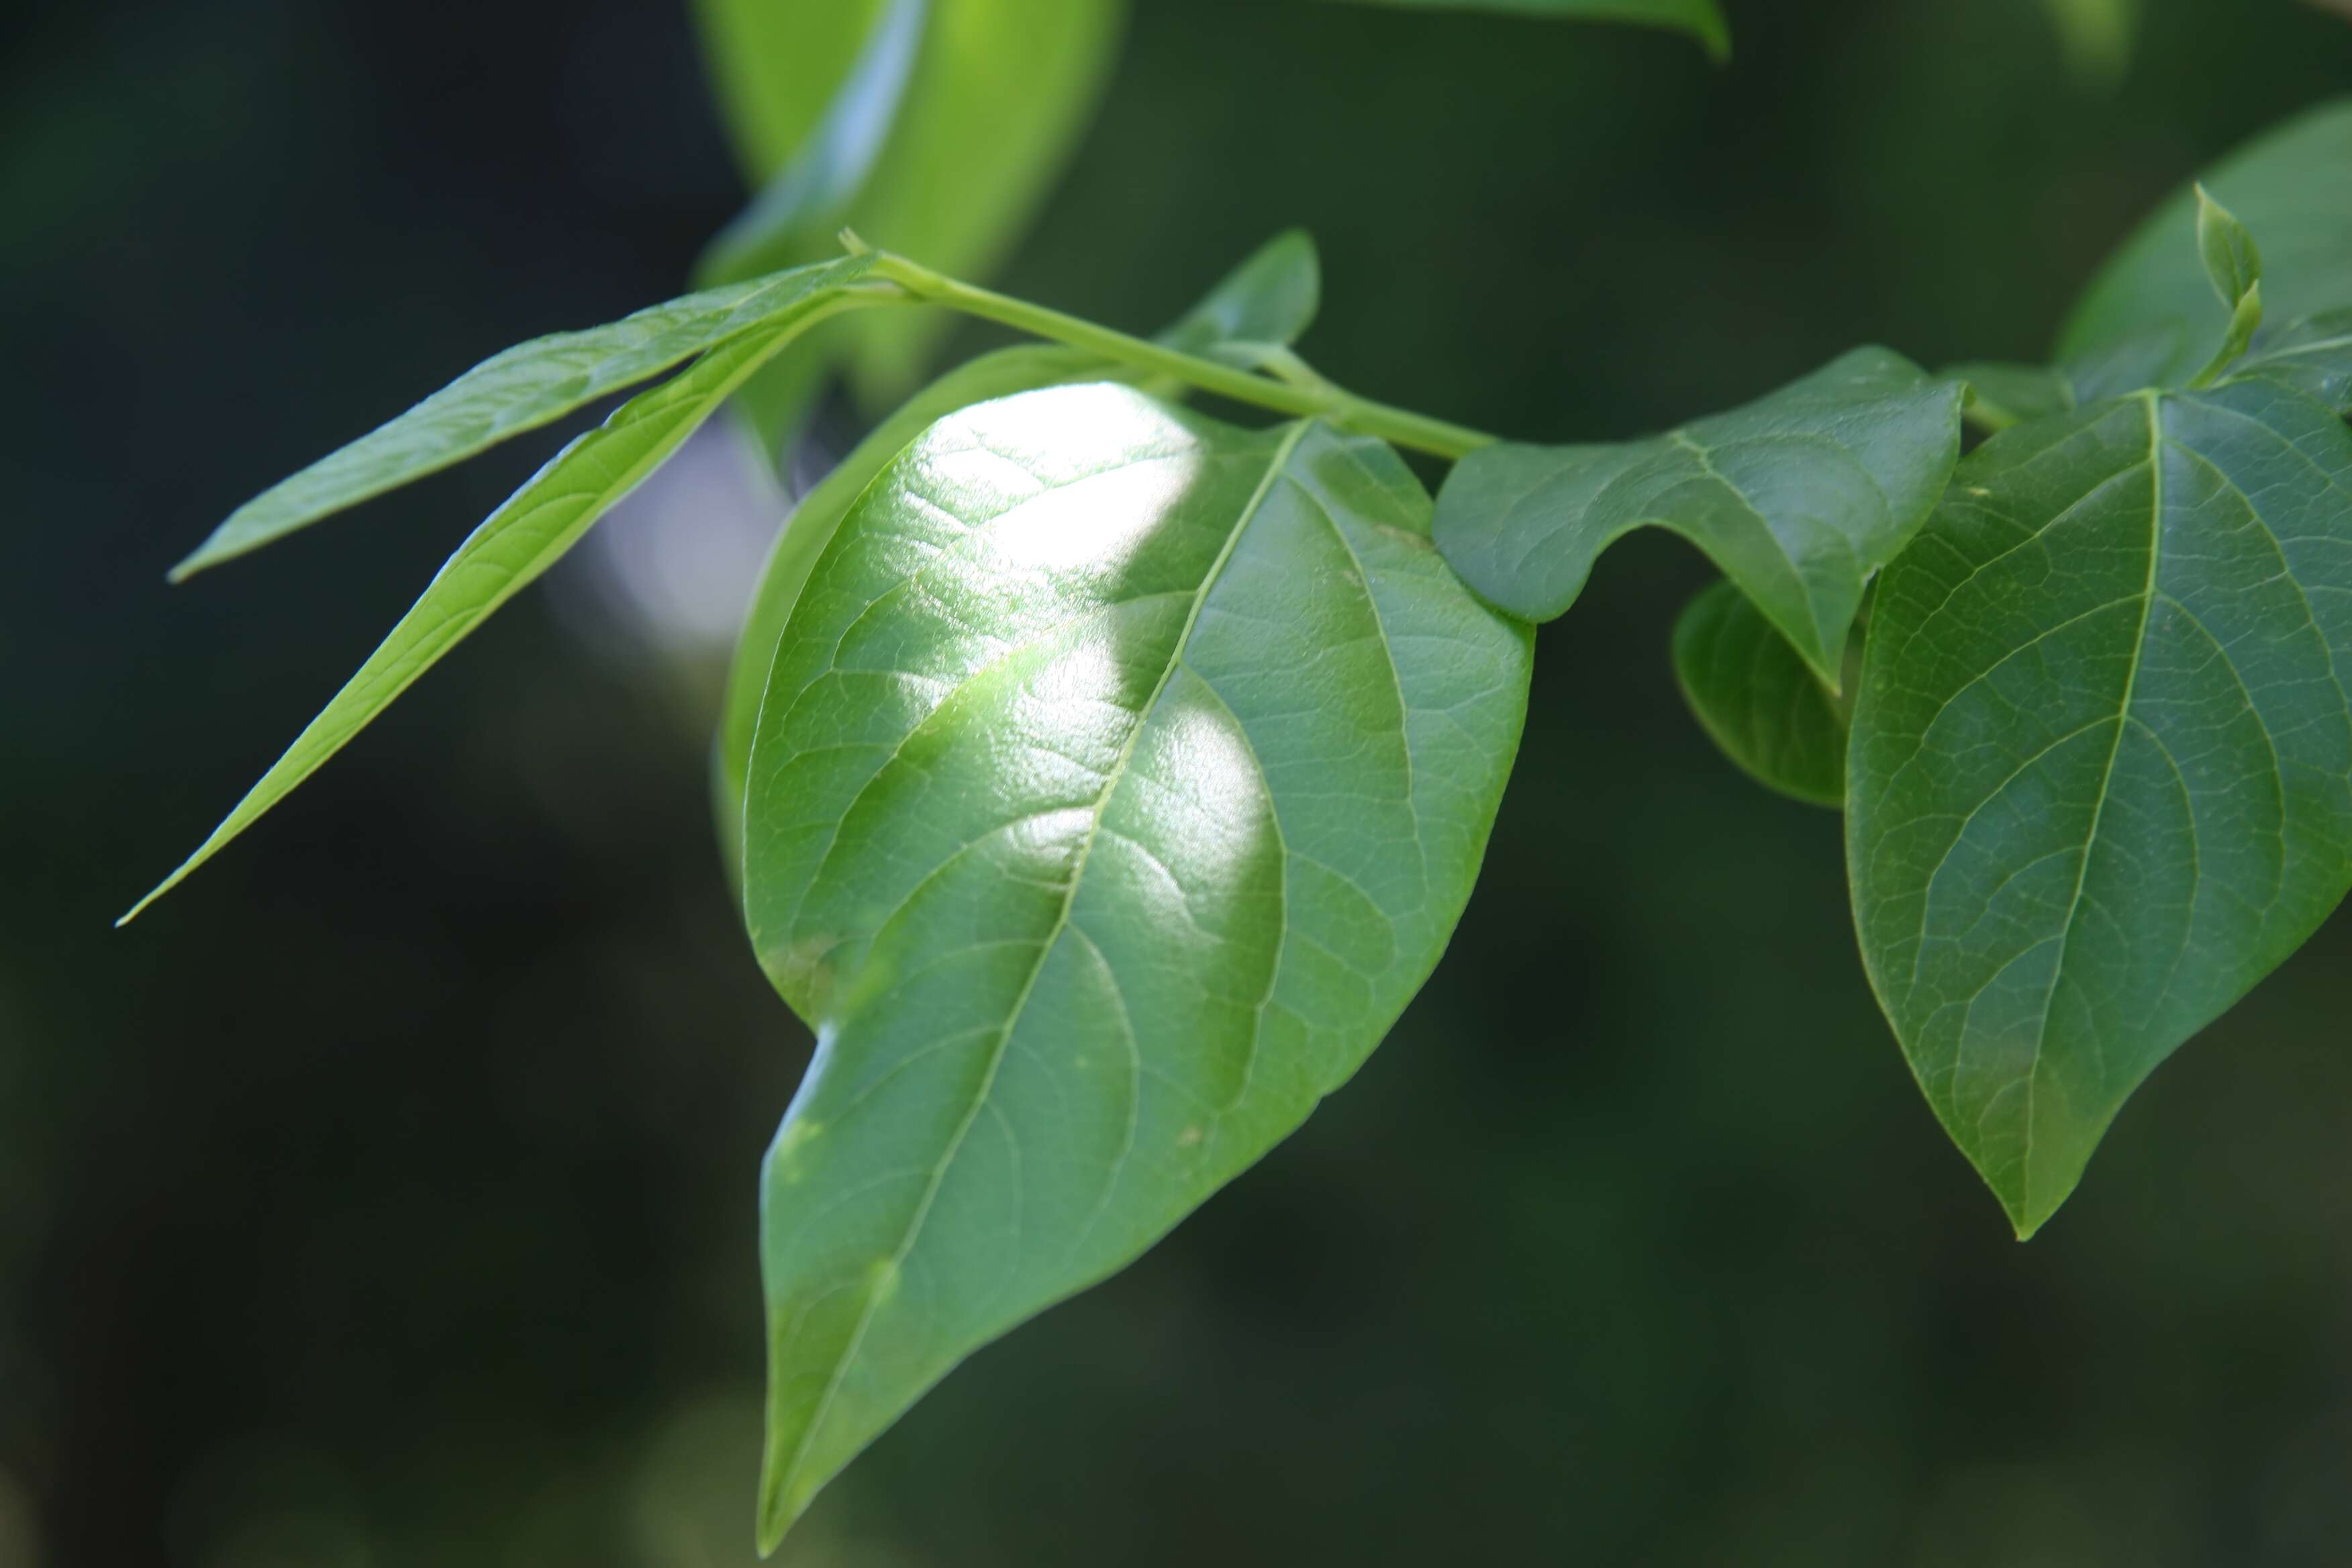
{"points": [[2233, 263]]}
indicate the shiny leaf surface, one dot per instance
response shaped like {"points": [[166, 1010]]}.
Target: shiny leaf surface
{"points": [[2101, 774], [1799, 497], [1120, 778], [1757, 699]]}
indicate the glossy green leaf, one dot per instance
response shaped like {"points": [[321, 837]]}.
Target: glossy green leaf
{"points": [[1799, 497], [1120, 778], [1762, 704], [1702, 19], [1000, 94], [2001, 394], [528, 385], [2313, 357], [526, 536], [1270, 298], [2101, 773], [2293, 188]]}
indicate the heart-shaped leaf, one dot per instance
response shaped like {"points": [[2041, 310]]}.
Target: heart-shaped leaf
{"points": [[1758, 700], [1120, 776], [2101, 774], [1800, 497]]}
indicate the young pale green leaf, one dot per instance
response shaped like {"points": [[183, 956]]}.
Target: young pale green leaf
{"points": [[2313, 357], [2293, 187], [2097, 36], [2100, 781], [525, 387], [1270, 298], [1702, 19], [1762, 704], [2001, 394], [1799, 497], [1000, 92], [1120, 778], [514, 544], [2234, 267]]}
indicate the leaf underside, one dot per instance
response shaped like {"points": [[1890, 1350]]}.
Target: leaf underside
{"points": [[2101, 774], [1120, 778], [1800, 497], [1759, 701]]}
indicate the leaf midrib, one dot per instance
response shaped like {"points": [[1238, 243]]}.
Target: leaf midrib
{"points": [[1113, 778]]}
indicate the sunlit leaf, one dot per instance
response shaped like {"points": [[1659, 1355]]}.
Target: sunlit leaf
{"points": [[2293, 187], [525, 387], [1762, 704], [1799, 497], [1270, 298], [524, 537], [1120, 778], [2100, 773]]}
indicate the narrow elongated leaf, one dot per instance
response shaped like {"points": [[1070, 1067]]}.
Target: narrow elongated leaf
{"points": [[1000, 92], [1120, 778], [513, 546], [1270, 298], [1799, 498], [2293, 188], [1702, 19], [2101, 774], [2234, 265], [527, 386], [776, 67], [1761, 703]]}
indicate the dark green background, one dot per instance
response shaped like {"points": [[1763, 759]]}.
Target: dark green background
{"points": [[386, 1198]]}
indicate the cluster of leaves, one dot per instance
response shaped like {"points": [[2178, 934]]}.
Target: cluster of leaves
{"points": [[1103, 779]]}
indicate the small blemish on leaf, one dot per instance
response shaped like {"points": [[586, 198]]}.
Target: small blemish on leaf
{"points": [[1190, 1136]]}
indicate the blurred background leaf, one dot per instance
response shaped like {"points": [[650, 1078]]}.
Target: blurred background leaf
{"points": [[389, 1195]]}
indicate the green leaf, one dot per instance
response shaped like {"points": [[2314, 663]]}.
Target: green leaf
{"points": [[2293, 187], [2313, 357], [1702, 19], [2234, 267], [2101, 774], [525, 536], [1121, 777], [776, 67], [1000, 94], [1799, 498], [2000, 395], [527, 386], [1270, 298], [1760, 702]]}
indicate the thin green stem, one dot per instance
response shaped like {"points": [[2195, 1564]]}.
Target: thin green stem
{"points": [[1322, 400]]}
